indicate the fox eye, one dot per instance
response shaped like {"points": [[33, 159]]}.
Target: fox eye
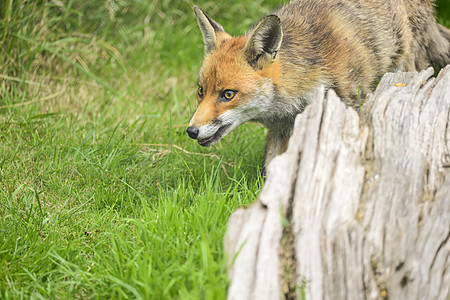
{"points": [[200, 92], [227, 95]]}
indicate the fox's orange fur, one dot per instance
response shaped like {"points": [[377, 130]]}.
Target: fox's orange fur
{"points": [[269, 75]]}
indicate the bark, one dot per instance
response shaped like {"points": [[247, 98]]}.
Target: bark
{"points": [[359, 205]]}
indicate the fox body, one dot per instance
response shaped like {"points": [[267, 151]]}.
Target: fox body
{"points": [[269, 75]]}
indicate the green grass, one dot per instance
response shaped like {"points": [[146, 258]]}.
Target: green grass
{"points": [[102, 195], [443, 12]]}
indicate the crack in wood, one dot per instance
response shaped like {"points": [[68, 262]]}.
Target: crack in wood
{"points": [[288, 260]]}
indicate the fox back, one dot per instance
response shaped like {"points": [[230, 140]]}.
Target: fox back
{"points": [[270, 74]]}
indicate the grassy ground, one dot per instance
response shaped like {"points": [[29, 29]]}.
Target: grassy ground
{"points": [[102, 195]]}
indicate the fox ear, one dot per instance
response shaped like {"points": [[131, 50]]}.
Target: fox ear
{"points": [[209, 29], [264, 42]]}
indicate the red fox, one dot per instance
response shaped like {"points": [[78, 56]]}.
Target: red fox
{"points": [[269, 74]]}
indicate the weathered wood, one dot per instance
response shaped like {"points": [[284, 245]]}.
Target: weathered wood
{"points": [[359, 205]]}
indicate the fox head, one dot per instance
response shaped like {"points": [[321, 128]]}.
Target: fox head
{"points": [[238, 78]]}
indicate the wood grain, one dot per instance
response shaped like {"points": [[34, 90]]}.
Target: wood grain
{"points": [[359, 205]]}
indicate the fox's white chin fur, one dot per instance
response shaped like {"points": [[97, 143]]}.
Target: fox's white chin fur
{"points": [[207, 139]]}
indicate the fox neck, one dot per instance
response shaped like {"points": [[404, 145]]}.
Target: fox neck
{"points": [[279, 114], [285, 100]]}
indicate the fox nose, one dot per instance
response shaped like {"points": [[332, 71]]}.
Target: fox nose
{"points": [[192, 132]]}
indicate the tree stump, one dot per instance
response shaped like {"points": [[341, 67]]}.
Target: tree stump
{"points": [[359, 205]]}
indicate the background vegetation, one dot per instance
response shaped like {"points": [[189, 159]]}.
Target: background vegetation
{"points": [[102, 195]]}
